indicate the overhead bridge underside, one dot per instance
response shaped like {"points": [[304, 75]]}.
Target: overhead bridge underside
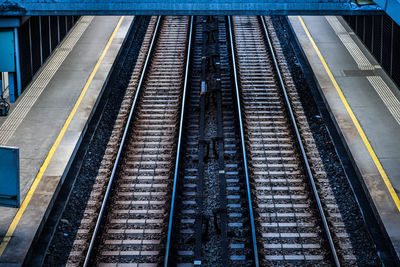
{"points": [[182, 7]]}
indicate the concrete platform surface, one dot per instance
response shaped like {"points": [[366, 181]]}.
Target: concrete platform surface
{"points": [[49, 120], [364, 105]]}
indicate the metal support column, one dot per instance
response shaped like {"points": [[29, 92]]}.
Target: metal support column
{"points": [[1, 87], [11, 86], [4, 106], [10, 57], [17, 63]]}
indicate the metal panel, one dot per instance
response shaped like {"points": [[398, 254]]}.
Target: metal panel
{"points": [[377, 38], [182, 7], [7, 51], [9, 22], [387, 44], [53, 32], [393, 10], [62, 26], [368, 32], [25, 54], [45, 37], [391, 7], [396, 54], [35, 42], [9, 176]]}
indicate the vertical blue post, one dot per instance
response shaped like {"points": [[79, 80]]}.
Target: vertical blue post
{"points": [[17, 63], [1, 86], [11, 86]]}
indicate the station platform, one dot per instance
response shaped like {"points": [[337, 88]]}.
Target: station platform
{"points": [[363, 103], [48, 121]]}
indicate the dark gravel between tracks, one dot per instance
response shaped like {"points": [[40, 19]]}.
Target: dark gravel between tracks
{"points": [[361, 241], [60, 247]]}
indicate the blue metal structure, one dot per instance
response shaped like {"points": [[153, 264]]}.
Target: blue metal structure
{"points": [[9, 53], [25, 44], [391, 7], [9, 176], [7, 50], [181, 7], [31, 52]]}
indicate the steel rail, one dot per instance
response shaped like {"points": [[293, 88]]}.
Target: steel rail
{"points": [[178, 152], [198, 225], [301, 146], [221, 161], [243, 145], [124, 137]]}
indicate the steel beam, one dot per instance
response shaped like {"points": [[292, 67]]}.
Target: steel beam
{"points": [[183, 7]]}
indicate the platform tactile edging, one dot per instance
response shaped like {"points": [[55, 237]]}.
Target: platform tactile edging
{"points": [[387, 96], [381, 88], [36, 88], [358, 56]]}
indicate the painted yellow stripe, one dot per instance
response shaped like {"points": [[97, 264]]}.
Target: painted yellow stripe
{"points": [[50, 155], [367, 144]]}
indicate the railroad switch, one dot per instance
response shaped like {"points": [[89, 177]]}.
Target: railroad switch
{"points": [[206, 143], [217, 214], [214, 141], [203, 88], [205, 228], [206, 221]]}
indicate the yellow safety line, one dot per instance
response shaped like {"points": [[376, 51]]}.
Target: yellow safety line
{"points": [[354, 119], [43, 168]]}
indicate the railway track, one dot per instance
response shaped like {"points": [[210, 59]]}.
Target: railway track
{"points": [[81, 243], [290, 219], [334, 214], [134, 226], [211, 218], [187, 172]]}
